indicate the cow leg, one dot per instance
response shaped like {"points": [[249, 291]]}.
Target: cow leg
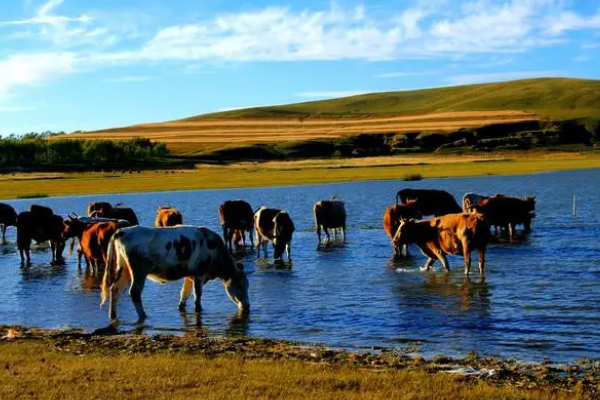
{"points": [[511, 231], [135, 291], [3, 233], [442, 257], [265, 246], [334, 233], [198, 284], [327, 235], [344, 233], [225, 236], [428, 264], [482, 261], [405, 246], [318, 235], [288, 248], [188, 282], [251, 238], [467, 255]]}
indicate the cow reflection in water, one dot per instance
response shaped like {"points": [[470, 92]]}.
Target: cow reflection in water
{"points": [[464, 294], [195, 254]]}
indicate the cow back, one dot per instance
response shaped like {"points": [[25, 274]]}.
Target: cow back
{"points": [[8, 215], [330, 213]]}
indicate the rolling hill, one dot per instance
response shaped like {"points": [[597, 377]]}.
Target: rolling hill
{"points": [[447, 109]]}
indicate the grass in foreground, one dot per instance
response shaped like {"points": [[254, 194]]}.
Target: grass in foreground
{"points": [[73, 365], [292, 173]]}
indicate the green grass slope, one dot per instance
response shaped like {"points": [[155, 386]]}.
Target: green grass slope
{"points": [[552, 98]]}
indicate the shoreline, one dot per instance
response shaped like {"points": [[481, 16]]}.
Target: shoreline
{"points": [[25, 186], [581, 377]]}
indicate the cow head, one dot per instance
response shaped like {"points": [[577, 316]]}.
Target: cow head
{"points": [[283, 229], [72, 227], [236, 287]]}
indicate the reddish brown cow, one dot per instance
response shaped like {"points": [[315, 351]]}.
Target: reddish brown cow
{"points": [[457, 234], [168, 216], [505, 211], [236, 215], [391, 221], [330, 214], [93, 237]]}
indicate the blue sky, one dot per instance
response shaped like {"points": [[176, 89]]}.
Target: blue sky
{"points": [[90, 64]]}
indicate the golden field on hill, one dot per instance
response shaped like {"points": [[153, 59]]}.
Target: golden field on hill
{"points": [[185, 137]]}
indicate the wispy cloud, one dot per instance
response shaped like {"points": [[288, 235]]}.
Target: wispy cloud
{"points": [[501, 76], [16, 109], [130, 78], [45, 15], [331, 94]]}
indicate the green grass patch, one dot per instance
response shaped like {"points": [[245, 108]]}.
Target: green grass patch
{"points": [[413, 177]]}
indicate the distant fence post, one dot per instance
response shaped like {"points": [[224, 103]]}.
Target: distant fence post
{"points": [[574, 206]]}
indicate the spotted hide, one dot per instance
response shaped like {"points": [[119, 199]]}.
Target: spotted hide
{"points": [[276, 226], [195, 254]]}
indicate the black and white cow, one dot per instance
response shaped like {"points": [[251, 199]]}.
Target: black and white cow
{"points": [[195, 254], [276, 226]]}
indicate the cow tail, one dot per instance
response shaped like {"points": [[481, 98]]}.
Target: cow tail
{"points": [[72, 247], [398, 198], [111, 264]]}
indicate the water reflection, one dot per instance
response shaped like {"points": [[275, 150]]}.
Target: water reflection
{"points": [[238, 324], [42, 271]]}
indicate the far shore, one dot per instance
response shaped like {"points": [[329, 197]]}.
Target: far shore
{"points": [[64, 364], [282, 173]]}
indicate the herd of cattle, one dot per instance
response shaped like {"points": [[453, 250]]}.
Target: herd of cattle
{"points": [[110, 236]]}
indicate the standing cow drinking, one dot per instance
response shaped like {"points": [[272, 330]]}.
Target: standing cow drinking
{"points": [[276, 226], [195, 254]]}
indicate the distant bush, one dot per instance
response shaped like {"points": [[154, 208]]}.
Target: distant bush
{"points": [[37, 151], [413, 177], [32, 196]]}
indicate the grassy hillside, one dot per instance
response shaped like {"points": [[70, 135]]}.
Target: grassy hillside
{"points": [[552, 98], [442, 110]]}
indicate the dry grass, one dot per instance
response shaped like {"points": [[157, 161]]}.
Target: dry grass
{"points": [[198, 134], [292, 173], [33, 371]]}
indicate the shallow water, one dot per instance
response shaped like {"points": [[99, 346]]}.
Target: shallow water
{"points": [[540, 298]]}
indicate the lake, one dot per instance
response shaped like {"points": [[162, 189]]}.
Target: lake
{"points": [[540, 297]]}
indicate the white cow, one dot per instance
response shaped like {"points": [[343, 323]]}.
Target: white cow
{"points": [[195, 254]]}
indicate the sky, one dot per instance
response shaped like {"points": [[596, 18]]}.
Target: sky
{"points": [[68, 65]]}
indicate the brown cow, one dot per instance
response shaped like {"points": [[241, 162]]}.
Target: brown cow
{"points": [[168, 216], [106, 210], [236, 215], [430, 201], [39, 224], [276, 226], [391, 221], [93, 237], [457, 234], [505, 211], [330, 214], [8, 217]]}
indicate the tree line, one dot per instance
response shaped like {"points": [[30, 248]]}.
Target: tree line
{"points": [[39, 151]]}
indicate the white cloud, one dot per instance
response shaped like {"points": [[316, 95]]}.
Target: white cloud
{"points": [[331, 94], [130, 78], [32, 69], [501, 76], [405, 74], [44, 15]]}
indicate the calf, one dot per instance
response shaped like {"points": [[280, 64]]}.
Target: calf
{"points": [[276, 226], [391, 221], [330, 214], [168, 216], [457, 234], [195, 254], [430, 201], [39, 224], [8, 217], [236, 217], [507, 211]]}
